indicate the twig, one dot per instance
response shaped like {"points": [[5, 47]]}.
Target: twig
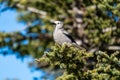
{"points": [[114, 47], [31, 9], [109, 29]]}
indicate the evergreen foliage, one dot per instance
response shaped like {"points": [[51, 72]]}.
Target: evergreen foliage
{"points": [[77, 66]]}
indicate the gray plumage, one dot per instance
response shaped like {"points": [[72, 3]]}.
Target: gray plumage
{"points": [[61, 36]]}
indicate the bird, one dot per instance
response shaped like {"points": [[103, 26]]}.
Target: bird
{"points": [[61, 36]]}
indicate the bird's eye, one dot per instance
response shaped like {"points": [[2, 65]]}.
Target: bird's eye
{"points": [[58, 23]]}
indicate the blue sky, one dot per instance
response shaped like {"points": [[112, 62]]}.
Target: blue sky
{"points": [[8, 21], [10, 66]]}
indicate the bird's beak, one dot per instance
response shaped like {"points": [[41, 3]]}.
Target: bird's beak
{"points": [[53, 23]]}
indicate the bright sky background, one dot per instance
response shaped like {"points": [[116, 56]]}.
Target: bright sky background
{"points": [[8, 21], [10, 66]]}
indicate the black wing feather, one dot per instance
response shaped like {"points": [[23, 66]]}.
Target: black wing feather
{"points": [[70, 37]]}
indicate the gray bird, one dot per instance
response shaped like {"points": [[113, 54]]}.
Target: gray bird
{"points": [[61, 36]]}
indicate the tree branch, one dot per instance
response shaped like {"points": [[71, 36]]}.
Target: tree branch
{"points": [[109, 29], [114, 47], [31, 9]]}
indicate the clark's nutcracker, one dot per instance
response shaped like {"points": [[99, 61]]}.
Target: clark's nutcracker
{"points": [[61, 36]]}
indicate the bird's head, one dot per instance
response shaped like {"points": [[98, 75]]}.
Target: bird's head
{"points": [[58, 24]]}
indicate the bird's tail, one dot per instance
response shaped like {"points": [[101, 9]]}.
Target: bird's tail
{"points": [[76, 45]]}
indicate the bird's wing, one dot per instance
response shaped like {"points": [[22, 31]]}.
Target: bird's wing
{"points": [[67, 35], [73, 41]]}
